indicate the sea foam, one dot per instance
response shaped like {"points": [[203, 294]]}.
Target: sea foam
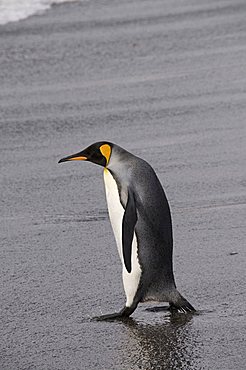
{"points": [[16, 10]]}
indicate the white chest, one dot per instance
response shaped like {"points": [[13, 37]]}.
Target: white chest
{"points": [[116, 213], [115, 209]]}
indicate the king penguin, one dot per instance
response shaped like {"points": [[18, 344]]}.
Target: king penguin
{"points": [[141, 221]]}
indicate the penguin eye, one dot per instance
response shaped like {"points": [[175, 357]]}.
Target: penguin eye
{"points": [[96, 156]]}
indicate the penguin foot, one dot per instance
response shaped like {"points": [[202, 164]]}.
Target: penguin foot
{"points": [[109, 317], [158, 308], [178, 304], [184, 308], [122, 315]]}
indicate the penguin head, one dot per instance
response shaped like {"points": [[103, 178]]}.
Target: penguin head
{"points": [[98, 153]]}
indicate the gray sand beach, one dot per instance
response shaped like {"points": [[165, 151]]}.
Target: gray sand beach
{"points": [[167, 81]]}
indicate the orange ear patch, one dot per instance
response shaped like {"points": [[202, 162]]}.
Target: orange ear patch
{"points": [[106, 151]]}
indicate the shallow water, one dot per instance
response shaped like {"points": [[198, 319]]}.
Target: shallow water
{"points": [[166, 82]]}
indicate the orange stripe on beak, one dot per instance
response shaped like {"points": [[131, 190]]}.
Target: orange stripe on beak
{"points": [[78, 159]]}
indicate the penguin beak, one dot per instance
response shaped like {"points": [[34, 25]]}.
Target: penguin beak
{"points": [[74, 157]]}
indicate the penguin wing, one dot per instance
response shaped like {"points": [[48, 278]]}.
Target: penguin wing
{"points": [[128, 225]]}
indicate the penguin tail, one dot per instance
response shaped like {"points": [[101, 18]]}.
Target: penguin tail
{"points": [[181, 305]]}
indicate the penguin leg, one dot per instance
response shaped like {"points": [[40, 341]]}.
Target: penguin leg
{"points": [[123, 314]]}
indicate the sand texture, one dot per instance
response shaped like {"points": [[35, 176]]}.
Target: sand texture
{"points": [[167, 81]]}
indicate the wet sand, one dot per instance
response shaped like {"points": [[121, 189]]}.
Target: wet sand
{"points": [[166, 80]]}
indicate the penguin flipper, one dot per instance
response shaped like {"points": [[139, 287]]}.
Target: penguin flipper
{"points": [[128, 225]]}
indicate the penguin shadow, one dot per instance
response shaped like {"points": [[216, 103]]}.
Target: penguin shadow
{"points": [[166, 345]]}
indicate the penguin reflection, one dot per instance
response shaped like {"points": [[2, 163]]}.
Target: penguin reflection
{"points": [[167, 345]]}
